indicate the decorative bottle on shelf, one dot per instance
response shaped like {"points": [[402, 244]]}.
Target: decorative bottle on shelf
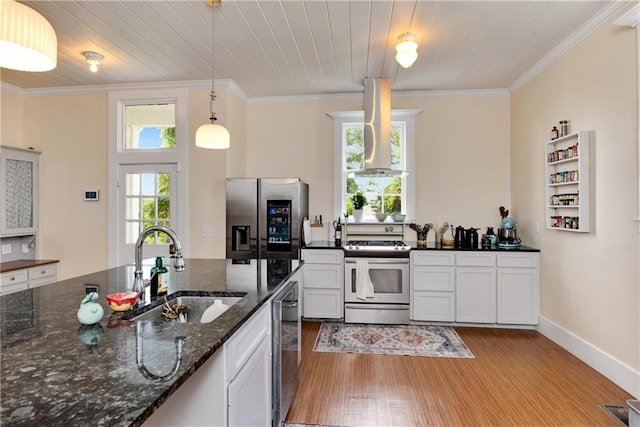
{"points": [[554, 133]]}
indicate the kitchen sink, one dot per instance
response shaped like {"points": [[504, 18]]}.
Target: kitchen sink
{"points": [[195, 303]]}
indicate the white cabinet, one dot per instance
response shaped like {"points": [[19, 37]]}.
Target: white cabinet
{"points": [[19, 195], [518, 287], [249, 392], [567, 188], [476, 294], [488, 287], [476, 287], [433, 276], [323, 283], [13, 281], [25, 278], [232, 388]]}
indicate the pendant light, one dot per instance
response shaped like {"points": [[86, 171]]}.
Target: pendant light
{"points": [[27, 40], [406, 50], [213, 135]]}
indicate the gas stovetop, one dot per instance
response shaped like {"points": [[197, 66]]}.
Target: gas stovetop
{"points": [[376, 248]]}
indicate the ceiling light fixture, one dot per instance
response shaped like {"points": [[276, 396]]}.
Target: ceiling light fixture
{"points": [[93, 58], [406, 50], [27, 40], [213, 135]]}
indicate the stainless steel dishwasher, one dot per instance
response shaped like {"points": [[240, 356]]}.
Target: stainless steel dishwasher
{"points": [[286, 347]]}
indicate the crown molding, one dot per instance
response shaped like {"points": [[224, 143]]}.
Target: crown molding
{"points": [[605, 14], [629, 19], [77, 90]]}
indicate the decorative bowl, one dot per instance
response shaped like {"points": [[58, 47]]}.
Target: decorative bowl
{"points": [[381, 217], [122, 301], [398, 217]]}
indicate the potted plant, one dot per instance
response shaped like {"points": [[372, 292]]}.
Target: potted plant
{"points": [[358, 201]]}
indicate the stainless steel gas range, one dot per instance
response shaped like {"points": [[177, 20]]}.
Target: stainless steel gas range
{"points": [[376, 282]]}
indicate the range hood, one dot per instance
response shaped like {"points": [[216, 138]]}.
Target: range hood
{"points": [[377, 129]]}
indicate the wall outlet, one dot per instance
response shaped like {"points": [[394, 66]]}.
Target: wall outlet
{"points": [[6, 249], [206, 232]]}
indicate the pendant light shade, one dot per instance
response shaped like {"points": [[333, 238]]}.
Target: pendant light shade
{"points": [[213, 135], [27, 40], [406, 50]]}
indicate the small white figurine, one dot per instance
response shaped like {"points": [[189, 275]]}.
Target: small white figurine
{"points": [[90, 312]]}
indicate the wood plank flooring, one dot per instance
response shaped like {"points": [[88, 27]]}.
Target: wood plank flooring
{"points": [[517, 378]]}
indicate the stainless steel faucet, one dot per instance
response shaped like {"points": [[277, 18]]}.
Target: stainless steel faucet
{"points": [[178, 265]]}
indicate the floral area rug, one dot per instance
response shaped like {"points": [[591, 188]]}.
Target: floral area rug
{"points": [[409, 340]]}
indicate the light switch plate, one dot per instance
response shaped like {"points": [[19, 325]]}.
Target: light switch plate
{"points": [[206, 232], [6, 249]]}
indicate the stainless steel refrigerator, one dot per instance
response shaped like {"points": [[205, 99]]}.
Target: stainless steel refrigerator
{"points": [[264, 217]]}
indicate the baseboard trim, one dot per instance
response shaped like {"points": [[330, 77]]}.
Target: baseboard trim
{"points": [[622, 375]]}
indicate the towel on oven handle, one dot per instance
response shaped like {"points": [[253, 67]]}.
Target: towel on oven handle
{"points": [[364, 286]]}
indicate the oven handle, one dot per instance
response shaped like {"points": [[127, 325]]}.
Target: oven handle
{"points": [[393, 261], [378, 306]]}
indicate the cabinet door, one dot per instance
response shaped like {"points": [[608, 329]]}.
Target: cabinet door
{"points": [[323, 303], [518, 296], [433, 306], [323, 276], [476, 294], [249, 393], [19, 195], [13, 281]]}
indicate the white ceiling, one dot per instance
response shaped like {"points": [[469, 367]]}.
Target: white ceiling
{"points": [[303, 47]]}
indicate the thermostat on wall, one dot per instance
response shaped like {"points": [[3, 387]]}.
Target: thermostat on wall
{"points": [[91, 195]]}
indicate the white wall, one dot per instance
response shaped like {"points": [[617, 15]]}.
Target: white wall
{"points": [[462, 152], [590, 282]]}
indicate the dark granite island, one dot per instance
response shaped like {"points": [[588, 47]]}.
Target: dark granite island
{"points": [[57, 372]]}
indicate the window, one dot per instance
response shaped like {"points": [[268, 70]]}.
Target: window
{"points": [[149, 126], [383, 194], [147, 154]]}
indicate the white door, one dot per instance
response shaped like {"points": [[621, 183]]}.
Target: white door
{"points": [[146, 196]]}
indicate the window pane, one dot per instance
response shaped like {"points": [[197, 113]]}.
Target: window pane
{"points": [[132, 232], [149, 208], [148, 184], [150, 126], [132, 208], [164, 183]]}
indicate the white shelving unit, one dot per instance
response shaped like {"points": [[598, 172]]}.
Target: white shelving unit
{"points": [[567, 183]]}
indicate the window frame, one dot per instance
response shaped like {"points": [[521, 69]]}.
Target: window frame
{"points": [[340, 118], [118, 155]]}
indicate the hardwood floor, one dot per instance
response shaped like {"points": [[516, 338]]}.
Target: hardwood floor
{"points": [[517, 378]]}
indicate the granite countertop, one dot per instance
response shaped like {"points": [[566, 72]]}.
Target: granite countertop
{"points": [[429, 246], [55, 371], [25, 263]]}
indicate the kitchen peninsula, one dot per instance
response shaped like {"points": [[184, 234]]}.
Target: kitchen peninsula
{"points": [[58, 372]]}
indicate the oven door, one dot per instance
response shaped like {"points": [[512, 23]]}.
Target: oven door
{"points": [[390, 278]]}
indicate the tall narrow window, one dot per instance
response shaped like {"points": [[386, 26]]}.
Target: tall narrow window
{"points": [[148, 202], [383, 194]]}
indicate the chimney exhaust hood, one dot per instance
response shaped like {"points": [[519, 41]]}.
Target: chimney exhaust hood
{"points": [[377, 129]]}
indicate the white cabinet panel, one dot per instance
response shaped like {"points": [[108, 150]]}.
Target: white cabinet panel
{"points": [[323, 304], [433, 278], [433, 258], [476, 259], [323, 283], [433, 306], [13, 281], [476, 294], [248, 403], [524, 260], [324, 276], [245, 341], [518, 296]]}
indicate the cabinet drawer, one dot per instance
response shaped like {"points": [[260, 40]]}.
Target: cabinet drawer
{"points": [[476, 259], [433, 258], [527, 260], [323, 276], [13, 277], [322, 256], [434, 278], [433, 306], [323, 304], [246, 340], [12, 287], [42, 271]]}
